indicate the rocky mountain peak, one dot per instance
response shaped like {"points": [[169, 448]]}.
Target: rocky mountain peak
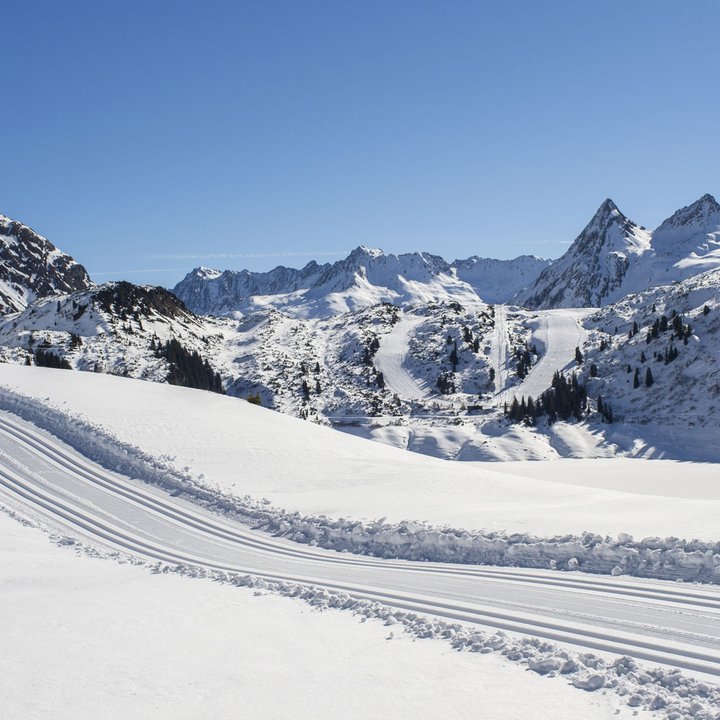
{"points": [[704, 211], [32, 267]]}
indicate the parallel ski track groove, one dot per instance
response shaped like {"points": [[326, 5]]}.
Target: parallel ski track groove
{"points": [[642, 648]]}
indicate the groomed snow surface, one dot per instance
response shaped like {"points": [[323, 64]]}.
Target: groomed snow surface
{"points": [[242, 449], [85, 638]]}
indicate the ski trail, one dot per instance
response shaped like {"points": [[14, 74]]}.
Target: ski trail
{"points": [[391, 357], [557, 334], [663, 622], [499, 356]]}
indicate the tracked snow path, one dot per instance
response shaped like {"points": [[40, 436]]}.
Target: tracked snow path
{"points": [[662, 622], [500, 359], [557, 334], [391, 358]]}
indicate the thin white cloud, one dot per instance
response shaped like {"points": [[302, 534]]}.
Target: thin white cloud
{"points": [[226, 256], [146, 270]]}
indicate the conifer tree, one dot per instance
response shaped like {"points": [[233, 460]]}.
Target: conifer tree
{"points": [[454, 357]]}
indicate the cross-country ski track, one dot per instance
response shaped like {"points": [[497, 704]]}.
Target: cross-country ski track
{"points": [[660, 622]]}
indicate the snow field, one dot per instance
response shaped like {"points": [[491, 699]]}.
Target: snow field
{"points": [[118, 625], [85, 638], [159, 433]]}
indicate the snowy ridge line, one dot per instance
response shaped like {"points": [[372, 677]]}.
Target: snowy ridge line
{"points": [[665, 559], [669, 693]]}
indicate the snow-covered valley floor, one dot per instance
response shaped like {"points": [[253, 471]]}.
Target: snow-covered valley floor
{"points": [[198, 440]]}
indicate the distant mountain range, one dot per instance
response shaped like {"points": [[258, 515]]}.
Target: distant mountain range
{"points": [[612, 256], [366, 277]]}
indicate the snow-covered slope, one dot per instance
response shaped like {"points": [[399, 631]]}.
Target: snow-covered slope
{"points": [[496, 281], [670, 337], [114, 328], [634, 623], [241, 449], [32, 267], [130, 634], [613, 257]]}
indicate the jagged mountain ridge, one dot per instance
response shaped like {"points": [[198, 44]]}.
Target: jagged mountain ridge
{"points": [[613, 257], [32, 267], [366, 277]]}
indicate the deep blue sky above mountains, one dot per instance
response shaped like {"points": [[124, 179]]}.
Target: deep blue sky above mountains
{"points": [[149, 138]]}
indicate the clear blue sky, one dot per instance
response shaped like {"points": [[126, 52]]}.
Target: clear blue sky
{"points": [[146, 138]]}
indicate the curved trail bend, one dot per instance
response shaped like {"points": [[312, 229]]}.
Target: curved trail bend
{"points": [[657, 621]]}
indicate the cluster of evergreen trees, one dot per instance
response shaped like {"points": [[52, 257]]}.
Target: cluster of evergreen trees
{"points": [[446, 383], [305, 385], [524, 361], [47, 358], [563, 400], [649, 380], [187, 368], [372, 347], [680, 329], [605, 410], [471, 340]]}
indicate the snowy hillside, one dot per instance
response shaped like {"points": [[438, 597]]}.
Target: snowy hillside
{"points": [[116, 328], [365, 278], [32, 267], [613, 257], [168, 481], [657, 355]]}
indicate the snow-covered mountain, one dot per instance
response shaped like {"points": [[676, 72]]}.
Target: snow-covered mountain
{"points": [[496, 281], [613, 257], [366, 277], [593, 269], [401, 348], [685, 244], [32, 267]]}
